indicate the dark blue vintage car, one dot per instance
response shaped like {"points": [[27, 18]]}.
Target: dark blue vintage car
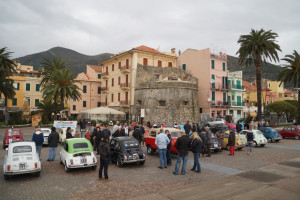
{"points": [[271, 134]]}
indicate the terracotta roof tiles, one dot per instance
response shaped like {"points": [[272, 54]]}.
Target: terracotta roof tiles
{"points": [[96, 68], [148, 49]]}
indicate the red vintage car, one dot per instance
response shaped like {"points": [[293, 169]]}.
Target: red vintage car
{"points": [[146, 130], [291, 132], [12, 135], [151, 136]]}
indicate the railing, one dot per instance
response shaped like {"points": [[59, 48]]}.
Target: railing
{"points": [[237, 103], [218, 87], [220, 104], [124, 67], [124, 102], [237, 87], [105, 73], [123, 85], [103, 103], [104, 89]]}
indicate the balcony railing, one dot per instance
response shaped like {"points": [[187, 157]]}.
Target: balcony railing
{"points": [[124, 85], [124, 103], [218, 87], [103, 103], [103, 89], [220, 104], [105, 73], [237, 87], [124, 68], [237, 103]]}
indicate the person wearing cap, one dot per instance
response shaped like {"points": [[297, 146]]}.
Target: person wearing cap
{"points": [[104, 150], [187, 127], [207, 140], [168, 154], [161, 142]]}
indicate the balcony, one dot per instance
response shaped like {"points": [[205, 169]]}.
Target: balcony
{"points": [[104, 89], [105, 75], [103, 103], [125, 69], [125, 86], [218, 87], [236, 87], [124, 103], [237, 103], [220, 104]]}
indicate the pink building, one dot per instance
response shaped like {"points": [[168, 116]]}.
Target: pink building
{"points": [[211, 71], [91, 90]]}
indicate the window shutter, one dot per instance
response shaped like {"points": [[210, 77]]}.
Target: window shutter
{"points": [[184, 67], [212, 64]]}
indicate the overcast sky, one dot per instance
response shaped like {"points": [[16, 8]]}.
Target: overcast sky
{"points": [[94, 26]]}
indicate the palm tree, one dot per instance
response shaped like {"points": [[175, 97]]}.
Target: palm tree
{"points": [[255, 48], [7, 66], [46, 107], [291, 74], [62, 85]]}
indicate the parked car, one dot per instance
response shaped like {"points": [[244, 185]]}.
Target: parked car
{"points": [[126, 150], [243, 137], [271, 134], [21, 158], [239, 143], [146, 130], [77, 153], [290, 132], [46, 132], [62, 133], [151, 136], [218, 127], [259, 138], [215, 121], [214, 146], [12, 135]]}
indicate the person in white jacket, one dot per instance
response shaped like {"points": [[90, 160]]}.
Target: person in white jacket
{"points": [[161, 142]]}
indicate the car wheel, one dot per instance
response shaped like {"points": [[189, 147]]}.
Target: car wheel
{"points": [[262, 145], [297, 137], [150, 150], [216, 150], [119, 162], [240, 148], [67, 169], [254, 144], [6, 177], [270, 140], [142, 162], [94, 167], [61, 162], [37, 174], [227, 147], [276, 140]]}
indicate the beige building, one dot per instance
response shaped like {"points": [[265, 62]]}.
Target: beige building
{"points": [[120, 73], [90, 83]]}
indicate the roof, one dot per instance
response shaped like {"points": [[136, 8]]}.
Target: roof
{"points": [[75, 140], [96, 68], [148, 49], [103, 110], [11, 145], [25, 71]]}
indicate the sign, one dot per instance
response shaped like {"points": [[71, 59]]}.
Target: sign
{"points": [[142, 112], [65, 124]]}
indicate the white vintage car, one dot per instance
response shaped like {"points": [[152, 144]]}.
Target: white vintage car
{"points": [[21, 158], [62, 132], [46, 132], [77, 153], [259, 138]]}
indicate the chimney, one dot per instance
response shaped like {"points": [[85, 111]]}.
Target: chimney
{"points": [[173, 51]]}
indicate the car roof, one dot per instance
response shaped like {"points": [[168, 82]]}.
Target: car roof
{"points": [[13, 129], [124, 138], [14, 144], [76, 140], [169, 129]]}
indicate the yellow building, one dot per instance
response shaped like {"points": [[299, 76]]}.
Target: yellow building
{"points": [[275, 87], [16, 104], [119, 74]]}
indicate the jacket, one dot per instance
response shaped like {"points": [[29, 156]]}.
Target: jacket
{"points": [[69, 135], [53, 139], [136, 134], [183, 145], [231, 139], [106, 133], [117, 133], [38, 138], [104, 149], [208, 137], [170, 143], [162, 141], [238, 128], [187, 127], [142, 131], [99, 136], [196, 146], [250, 136]]}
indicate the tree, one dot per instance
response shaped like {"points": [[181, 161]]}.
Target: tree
{"points": [[46, 108], [280, 108], [255, 48], [290, 73], [6, 70]]}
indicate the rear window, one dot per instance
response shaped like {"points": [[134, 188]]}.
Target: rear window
{"points": [[176, 134], [273, 129], [22, 149], [82, 145], [10, 133], [130, 144], [45, 131]]}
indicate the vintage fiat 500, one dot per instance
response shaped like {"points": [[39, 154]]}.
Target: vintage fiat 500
{"points": [[12, 135], [21, 158], [77, 153]]}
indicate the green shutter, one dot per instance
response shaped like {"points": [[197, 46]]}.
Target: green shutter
{"points": [[27, 86], [228, 98], [213, 95], [14, 102], [224, 67], [239, 100], [184, 67], [212, 64], [213, 78], [84, 103], [37, 87], [224, 96]]}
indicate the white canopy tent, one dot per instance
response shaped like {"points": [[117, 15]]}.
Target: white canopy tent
{"points": [[102, 113]]}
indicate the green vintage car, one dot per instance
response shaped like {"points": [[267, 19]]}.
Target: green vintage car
{"points": [[77, 153]]}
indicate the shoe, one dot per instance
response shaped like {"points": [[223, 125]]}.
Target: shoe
{"points": [[101, 178], [48, 160], [107, 179], [165, 166], [175, 173], [160, 167], [192, 169]]}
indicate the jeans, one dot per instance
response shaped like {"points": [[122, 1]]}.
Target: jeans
{"points": [[52, 153], [39, 149], [103, 164], [196, 163], [250, 147], [162, 156], [169, 160], [179, 158]]}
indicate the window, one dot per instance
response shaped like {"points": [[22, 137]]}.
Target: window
{"points": [[37, 87], [145, 61], [36, 102], [119, 65], [212, 64], [99, 90], [112, 82], [82, 145], [119, 96], [139, 102], [159, 63], [74, 107], [213, 95], [119, 80], [99, 76], [84, 89], [127, 62], [184, 67], [169, 64], [224, 67], [162, 103], [98, 104], [113, 67], [232, 98], [17, 86], [84, 104], [27, 86], [112, 97], [224, 112], [28, 101], [14, 102], [269, 85], [200, 110], [213, 82], [185, 103], [22, 149]]}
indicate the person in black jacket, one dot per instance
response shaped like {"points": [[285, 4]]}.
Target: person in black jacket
{"points": [[117, 133], [69, 134], [182, 145], [238, 127], [169, 160], [136, 133], [52, 143], [231, 142], [187, 127], [104, 149], [196, 149], [106, 131], [98, 137]]}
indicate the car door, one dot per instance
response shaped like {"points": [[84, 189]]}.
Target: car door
{"points": [[266, 133], [284, 132], [293, 132]]}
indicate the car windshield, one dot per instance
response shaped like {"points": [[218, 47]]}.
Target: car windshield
{"points": [[130, 144], [22, 149], [10, 133], [81, 145], [176, 134], [273, 129]]}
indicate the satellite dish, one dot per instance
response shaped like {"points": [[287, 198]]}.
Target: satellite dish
{"points": [[212, 81], [208, 99]]}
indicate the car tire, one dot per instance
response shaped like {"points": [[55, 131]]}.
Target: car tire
{"points": [[297, 137], [262, 145], [94, 167], [149, 150], [276, 141], [61, 162], [6, 177], [142, 162], [38, 174], [67, 169], [270, 140], [254, 144], [227, 147], [119, 162], [216, 150]]}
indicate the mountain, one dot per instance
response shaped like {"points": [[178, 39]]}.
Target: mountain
{"points": [[269, 71], [76, 60]]}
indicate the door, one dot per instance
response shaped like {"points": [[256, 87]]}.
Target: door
{"points": [[126, 80], [106, 83]]}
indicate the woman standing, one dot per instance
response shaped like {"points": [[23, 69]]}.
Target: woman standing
{"points": [[196, 149], [69, 134], [104, 149], [231, 142]]}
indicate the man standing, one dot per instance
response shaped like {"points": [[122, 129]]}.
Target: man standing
{"points": [[38, 138], [142, 132], [106, 131], [250, 136], [238, 127], [207, 140], [161, 142], [117, 133], [182, 145], [104, 149], [126, 129], [137, 134], [187, 127], [98, 137], [220, 137], [116, 126], [169, 160], [52, 143]]}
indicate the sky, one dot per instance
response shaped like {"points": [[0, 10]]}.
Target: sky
{"points": [[92, 27]]}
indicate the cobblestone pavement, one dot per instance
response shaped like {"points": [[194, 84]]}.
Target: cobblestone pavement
{"points": [[134, 180]]}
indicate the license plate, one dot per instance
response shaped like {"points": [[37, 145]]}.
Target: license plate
{"points": [[135, 157], [83, 160], [215, 145], [45, 138], [22, 166]]}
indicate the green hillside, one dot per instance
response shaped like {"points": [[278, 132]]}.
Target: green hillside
{"points": [[76, 60]]}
